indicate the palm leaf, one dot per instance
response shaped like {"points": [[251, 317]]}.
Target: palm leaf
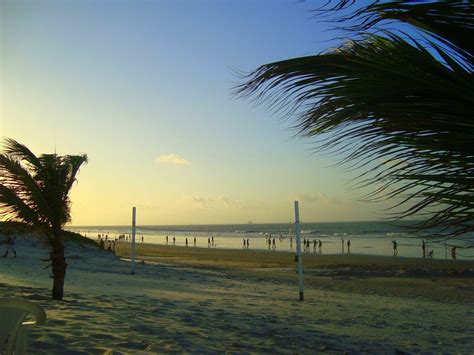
{"points": [[388, 106]]}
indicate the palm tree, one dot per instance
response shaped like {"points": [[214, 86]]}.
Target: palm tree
{"points": [[395, 102], [35, 190]]}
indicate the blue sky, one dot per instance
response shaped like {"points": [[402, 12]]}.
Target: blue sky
{"points": [[128, 82]]}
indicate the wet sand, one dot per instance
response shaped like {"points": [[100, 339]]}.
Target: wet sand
{"points": [[268, 259]]}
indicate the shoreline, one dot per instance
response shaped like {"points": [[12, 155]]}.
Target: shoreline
{"points": [[268, 259]]}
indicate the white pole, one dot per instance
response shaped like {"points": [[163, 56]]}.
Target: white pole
{"points": [[298, 251], [134, 214]]}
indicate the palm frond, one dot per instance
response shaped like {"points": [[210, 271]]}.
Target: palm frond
{"points": [[450, 22], [15, 177], [13, 207], [74, 162], [41, 184], [20, 152], [388, 106]]}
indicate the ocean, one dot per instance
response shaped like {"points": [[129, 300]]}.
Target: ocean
{"points": [[372, 238]]}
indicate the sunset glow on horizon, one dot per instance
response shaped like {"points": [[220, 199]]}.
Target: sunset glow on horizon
{"points": [[144, 89]]}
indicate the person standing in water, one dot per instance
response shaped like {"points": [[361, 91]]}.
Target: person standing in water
{"points": [[186, 241], [423, 247], [395, 250], [248, 243], [320, 246], [10, 246], [453, 253], [342, 244], [349, 246], [194, 240]]}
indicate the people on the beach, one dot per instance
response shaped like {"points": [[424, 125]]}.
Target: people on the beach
{"points": [[212, 241], [308, 245], [208, 242], [9, 245], [395, 249], [342, 244]]}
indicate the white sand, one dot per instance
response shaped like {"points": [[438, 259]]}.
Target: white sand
{"points": [[207, 309]]}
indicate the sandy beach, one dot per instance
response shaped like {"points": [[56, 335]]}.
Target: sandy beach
{"points": [[208, 301]]}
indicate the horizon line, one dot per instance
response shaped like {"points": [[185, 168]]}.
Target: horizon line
{"points": [[223, 224]]}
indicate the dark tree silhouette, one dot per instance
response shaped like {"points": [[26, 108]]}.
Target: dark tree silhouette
{"points": [[395, 100], [35, 190]]}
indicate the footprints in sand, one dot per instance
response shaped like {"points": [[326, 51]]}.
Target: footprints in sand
{"points": [[217, 322]]}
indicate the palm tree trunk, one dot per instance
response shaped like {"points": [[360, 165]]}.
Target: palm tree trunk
{"points": [[59, 265]]}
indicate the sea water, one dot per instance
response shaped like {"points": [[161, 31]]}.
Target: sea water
{"points": [[371, 238]]}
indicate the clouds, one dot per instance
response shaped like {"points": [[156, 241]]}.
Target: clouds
{"points": [[318, 197], [218, 202], [173, 159], [207, 201]]}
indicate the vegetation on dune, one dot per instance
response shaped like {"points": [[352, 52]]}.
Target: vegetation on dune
{"points": [[393, 100], [34, 190], [22, 228]]}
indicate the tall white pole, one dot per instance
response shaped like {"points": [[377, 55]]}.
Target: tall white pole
{"points": [[134, 214], [299, 259]]}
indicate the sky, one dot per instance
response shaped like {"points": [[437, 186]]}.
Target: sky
{"points": [[144, 89]]}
